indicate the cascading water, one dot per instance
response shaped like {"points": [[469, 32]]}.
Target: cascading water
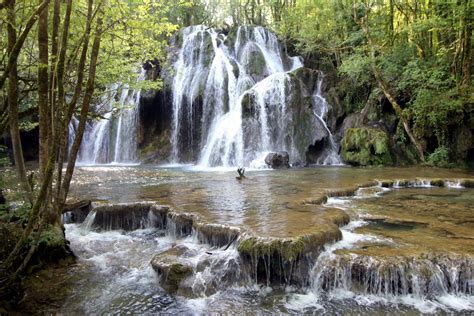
{"points": [[321, 108], [111, 139], [236, 98]]}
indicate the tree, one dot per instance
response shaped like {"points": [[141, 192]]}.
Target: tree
{"points": [[79, 55], [13, 103], [363, 22]]}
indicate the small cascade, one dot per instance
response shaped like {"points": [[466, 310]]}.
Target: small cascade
{"points": [[145, 244], [237, 97], [89, 221], [330, 155], [397, 276], [112, 139]]}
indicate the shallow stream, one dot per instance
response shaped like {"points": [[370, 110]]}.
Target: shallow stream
{"points": [[394, 236]]}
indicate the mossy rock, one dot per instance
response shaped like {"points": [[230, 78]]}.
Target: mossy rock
{"points": [[291, 249], [365, 147], [215, 234], [288, 249], [256, 65], [171, 271]]}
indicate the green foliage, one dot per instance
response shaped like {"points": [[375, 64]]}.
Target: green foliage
{"points": [[52, 237], [366, 146], [436, 111], [4, 160], [440, 157], [357, 67], [27, 125], [20, 214]]}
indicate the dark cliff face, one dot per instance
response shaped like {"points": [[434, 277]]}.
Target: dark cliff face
{"points": [[29, 144], [155, 112]]}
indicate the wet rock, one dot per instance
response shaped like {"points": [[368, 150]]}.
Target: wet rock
{"points": [[437, 182], [366, 146], [421, 275], [278, 160], [130, 216], [180, 224], [287, 260], [386, 183], [216, 235], [316, 201], [336, 216], [76, 212], [171, 271]]}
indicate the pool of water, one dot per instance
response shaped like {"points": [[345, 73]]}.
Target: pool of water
{"points": [[269, 202], [114, 275]]}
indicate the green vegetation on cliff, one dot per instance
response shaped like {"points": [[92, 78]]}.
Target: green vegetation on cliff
{"points": [[366, 146]]}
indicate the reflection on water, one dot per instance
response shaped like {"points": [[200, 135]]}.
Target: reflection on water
{"points": [[267, 202], [422, 219]]}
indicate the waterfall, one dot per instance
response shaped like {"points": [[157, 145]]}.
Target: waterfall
{"points": [[111, 139], [236, 98], [330, 155]]}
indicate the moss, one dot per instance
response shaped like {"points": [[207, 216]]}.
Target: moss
{"points": [[287, 249], [231, 37], [256, 65], [291, 249], [366, 146], [176, 274], [52, 237]]}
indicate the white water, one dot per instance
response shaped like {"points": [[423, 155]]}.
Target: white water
{"points": [[332, 279], [113, 138], [123, 281], [321, 108], [120, 279], [425, 284], [244, 90]]}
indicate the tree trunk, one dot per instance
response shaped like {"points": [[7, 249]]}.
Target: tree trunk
{"points": [[79, 83], [60, 110], [52, 71], [84, 110], [13, 107], [466, 63], [43, 91], [363, 23]]}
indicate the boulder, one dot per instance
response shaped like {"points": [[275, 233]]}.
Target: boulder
{"points": [[278, 160], [171, 271]]}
